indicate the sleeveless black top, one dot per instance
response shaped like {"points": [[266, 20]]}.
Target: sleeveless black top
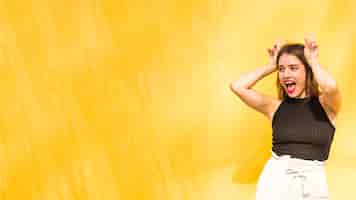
{"points": [[302, 129]]}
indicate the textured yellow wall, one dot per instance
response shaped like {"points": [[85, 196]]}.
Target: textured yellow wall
{"points": [[130, 99]]}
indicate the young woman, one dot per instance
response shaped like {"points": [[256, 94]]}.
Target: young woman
{"points": [[303, 121]]}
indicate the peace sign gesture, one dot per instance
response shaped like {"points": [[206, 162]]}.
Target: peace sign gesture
{"points": [[311, 49], [273, 52]]}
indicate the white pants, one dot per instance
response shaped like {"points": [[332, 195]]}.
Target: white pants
{"points": [[286, 178]]}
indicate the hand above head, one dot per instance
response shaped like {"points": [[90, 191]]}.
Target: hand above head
{"points": [[311, 49], [273, 52]]}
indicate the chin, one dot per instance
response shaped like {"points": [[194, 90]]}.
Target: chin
{"points": [[294, 95]]}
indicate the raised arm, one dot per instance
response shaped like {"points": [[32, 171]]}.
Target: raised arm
{"points": [[256, 100], [330, 96]]}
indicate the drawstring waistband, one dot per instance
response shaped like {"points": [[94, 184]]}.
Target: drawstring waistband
{"points": [[298, 161]]}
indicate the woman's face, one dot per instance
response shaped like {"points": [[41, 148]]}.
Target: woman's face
{"points": [[291, 73]]}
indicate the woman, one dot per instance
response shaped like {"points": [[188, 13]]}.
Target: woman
{"points": [[303, 121]]}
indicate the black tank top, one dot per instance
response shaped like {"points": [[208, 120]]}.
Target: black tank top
{"points": [[302, 129]]}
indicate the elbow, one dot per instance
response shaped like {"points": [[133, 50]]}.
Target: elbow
{"points": [[236, 87], [331, 87]]}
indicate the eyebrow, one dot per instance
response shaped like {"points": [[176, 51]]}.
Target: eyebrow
{"points": [[290, 65]]}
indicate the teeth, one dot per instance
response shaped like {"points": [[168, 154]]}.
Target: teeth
{"points": [[289, 83]]}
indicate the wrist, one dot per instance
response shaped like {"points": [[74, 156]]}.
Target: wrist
{"points": [[314, 63], [271, 67], [268, 69]]}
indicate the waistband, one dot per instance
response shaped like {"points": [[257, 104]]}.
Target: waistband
{"points": [[297, 161]]}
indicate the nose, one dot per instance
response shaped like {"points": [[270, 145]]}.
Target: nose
{"points": [[286, 73]]}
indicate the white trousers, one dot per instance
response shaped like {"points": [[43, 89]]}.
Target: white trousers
{"points": [[286, 178]]}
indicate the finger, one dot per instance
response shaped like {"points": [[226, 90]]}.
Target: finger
{"points": [[309, 44], [313, 45], [309, 39], [306, 42], [273, 52], [279, 42], [310, 35], [275, 44]]}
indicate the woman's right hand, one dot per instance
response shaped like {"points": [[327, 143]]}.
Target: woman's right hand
{"points": [[273, 52]]}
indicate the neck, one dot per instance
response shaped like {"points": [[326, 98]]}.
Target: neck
{"points": [[302, 95]]}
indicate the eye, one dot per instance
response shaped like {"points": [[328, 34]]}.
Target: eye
{"points": [[280, 68], [294, 68]]}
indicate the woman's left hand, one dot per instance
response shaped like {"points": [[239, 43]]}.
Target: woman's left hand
{"points": [[311, 49]]}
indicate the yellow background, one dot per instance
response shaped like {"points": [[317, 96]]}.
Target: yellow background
{"points": [[130, 99]]}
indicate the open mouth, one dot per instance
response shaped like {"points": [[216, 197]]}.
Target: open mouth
{"points": [[290, 86]]}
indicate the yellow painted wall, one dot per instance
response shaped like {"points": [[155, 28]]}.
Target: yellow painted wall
{"points": [[130, 99]]}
